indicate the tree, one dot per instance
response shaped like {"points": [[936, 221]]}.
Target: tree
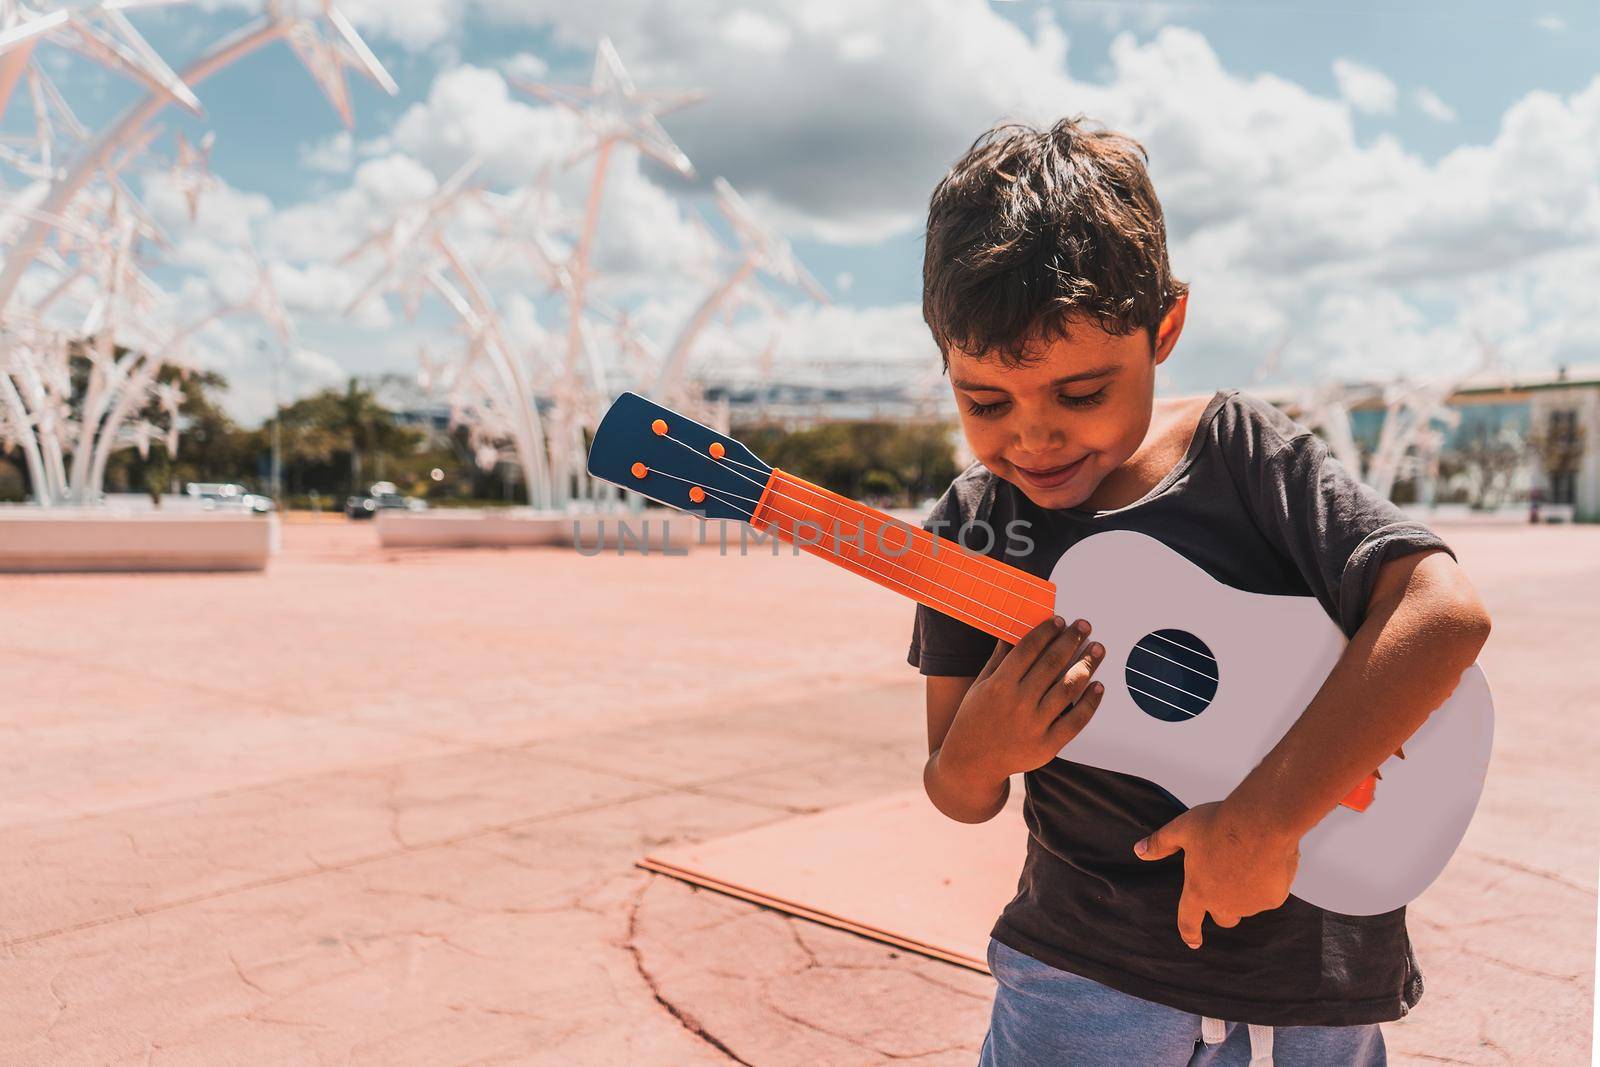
{"points": [[1491, 459], [211, 446], [340, 428], [1558, 451], [880, 462]]}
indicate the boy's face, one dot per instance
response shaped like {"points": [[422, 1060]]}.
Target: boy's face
{"points": [[1057, 427]]}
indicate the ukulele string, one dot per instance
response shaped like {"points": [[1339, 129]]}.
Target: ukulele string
{"points": [[930, 543], [1186, 648], [950, 609], [1169, 685], [1175, 663], [1152, 696]]}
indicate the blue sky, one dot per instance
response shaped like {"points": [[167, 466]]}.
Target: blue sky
{"points": [[837, 129]]}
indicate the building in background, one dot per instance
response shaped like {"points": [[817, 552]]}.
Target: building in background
{"points": [[1520, 440]]}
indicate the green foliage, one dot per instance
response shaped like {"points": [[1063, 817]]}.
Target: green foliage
{"points": [[883, 463], [342, 431], [13, 482], [339, 440], [211, 446], [157, 473]]}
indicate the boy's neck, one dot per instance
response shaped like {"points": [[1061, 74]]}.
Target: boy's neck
{"points": [[1172, 425]]}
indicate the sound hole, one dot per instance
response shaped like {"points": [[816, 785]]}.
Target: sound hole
{"points": [[1171, 675]]}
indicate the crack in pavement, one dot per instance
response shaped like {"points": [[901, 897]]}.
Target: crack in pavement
{"points": [[687, 1021], [328, 868]]}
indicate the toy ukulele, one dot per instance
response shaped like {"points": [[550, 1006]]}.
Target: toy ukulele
{"points": [[1201, 679]]}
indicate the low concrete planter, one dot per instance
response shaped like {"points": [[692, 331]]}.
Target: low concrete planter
{"points": [[34, 539], [652, 530]]}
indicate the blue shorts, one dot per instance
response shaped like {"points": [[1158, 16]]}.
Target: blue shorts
{"points": [[1043, 1016]]}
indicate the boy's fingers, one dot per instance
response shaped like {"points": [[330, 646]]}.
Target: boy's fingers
{"points": [[1070, 723], [1073, 684], [1032, 643], [1052, 663], [1164, 842], [1191, 917], [1227, 922]]}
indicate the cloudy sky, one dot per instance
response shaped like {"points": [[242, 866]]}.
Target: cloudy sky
{"points": [[1368, 186]]}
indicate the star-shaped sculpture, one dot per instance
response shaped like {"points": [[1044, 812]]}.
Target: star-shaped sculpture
{"points": [[101, 33], [191, 170], [325, 55], [613, 109], [773, 255], [527, 222], [408, 244], [264, 301], [51, 113]]}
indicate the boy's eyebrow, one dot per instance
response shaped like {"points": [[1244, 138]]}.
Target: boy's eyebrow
{"points": [[1097, 372]]}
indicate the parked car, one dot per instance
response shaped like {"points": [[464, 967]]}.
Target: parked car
{"points": [[226, 496], [381, 496]]}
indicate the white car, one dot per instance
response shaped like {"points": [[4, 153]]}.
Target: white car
{"points": [[226, 496], [381, 496]]}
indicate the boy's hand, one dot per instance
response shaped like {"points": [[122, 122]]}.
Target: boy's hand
{"points": [[1012, 720], [1232, 868]]}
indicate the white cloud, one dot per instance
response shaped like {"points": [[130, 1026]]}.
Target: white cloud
{"points": [[224, 215], [1551, 23], [414, 24], [525, 65], [1284, 222], [470, 111], [322, 370], [1430, 104], [1365, 89], [752, 31], [842, 132], [1147, 15], [334, 154]]}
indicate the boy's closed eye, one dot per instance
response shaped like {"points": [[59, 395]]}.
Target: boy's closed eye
{"points": [[987, 408]]}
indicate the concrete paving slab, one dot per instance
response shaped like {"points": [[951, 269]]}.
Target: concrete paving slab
{"points": [[377, 807]]}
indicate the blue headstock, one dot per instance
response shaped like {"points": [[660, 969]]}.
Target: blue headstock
{"points": [[670, 458]]}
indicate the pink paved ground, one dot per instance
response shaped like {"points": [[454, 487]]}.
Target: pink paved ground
{"points": [[383, 808]]}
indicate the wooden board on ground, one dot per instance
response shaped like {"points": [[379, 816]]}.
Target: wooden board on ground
{"points": [[892, 869]]}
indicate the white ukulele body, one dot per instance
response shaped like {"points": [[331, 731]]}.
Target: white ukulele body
{"points": [[1271, 655]]}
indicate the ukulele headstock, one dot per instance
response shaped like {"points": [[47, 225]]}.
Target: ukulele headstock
{"points": [[673, 460]]}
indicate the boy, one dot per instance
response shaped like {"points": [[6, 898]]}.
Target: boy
{"points": [[1047, 287]]}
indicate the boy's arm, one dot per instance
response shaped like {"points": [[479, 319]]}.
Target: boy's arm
{"points": [[963, 800], [1019, 711], [1423, 627]]}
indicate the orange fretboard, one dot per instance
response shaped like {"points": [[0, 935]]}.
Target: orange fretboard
{"points": [[983, 592]]}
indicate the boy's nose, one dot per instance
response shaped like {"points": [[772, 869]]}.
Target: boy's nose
{"points": [[1039, 439]]}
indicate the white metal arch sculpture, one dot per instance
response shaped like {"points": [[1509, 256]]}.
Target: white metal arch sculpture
{"points": [[32, 352]]}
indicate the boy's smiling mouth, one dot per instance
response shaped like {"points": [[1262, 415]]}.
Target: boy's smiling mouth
{"points": [[1049, 477]]}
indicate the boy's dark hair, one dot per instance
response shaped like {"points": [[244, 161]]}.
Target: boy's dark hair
{"points": [[1034, 227]]}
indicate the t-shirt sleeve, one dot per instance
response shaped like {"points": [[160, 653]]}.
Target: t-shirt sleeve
{"points": [[940, 644], [1335, 528]]}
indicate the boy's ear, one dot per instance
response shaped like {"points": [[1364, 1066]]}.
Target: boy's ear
{"points": [[1171, 326]]}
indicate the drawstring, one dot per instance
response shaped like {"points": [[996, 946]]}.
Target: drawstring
{"points": [[1260, 1046], [1215, 1032]]}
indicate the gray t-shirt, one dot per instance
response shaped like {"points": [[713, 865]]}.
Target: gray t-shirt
{"points": [[1259, 504]]}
